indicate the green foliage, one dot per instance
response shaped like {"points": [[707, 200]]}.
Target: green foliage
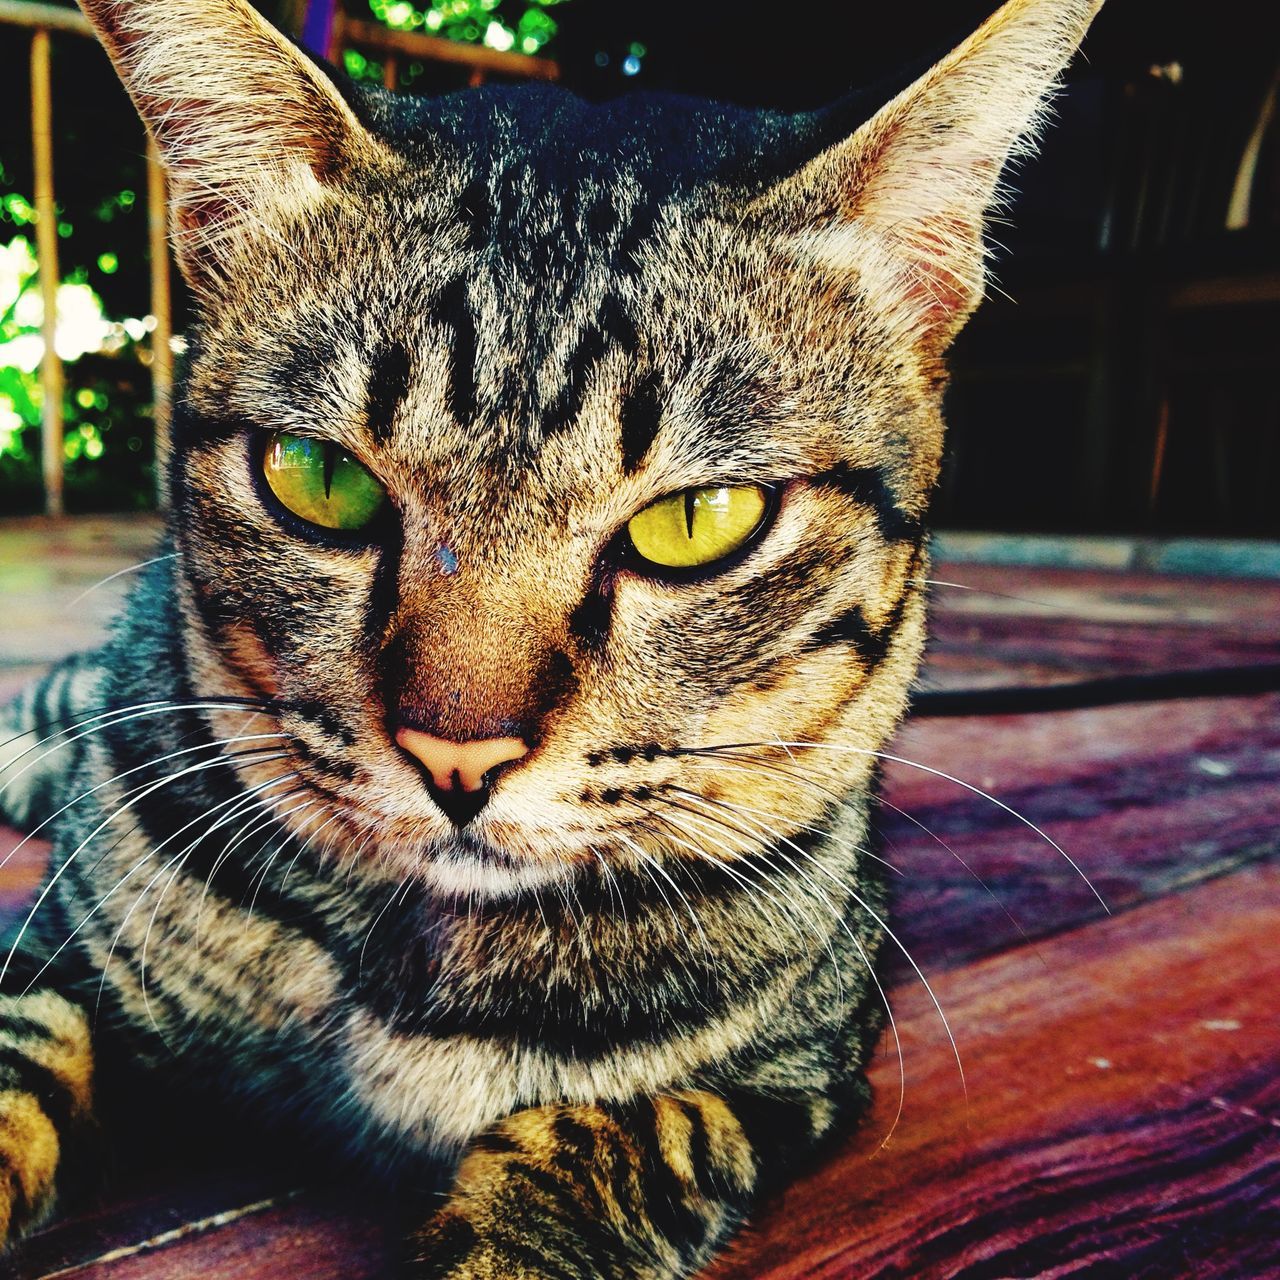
{"points": [[523, 26], [107, 443]]}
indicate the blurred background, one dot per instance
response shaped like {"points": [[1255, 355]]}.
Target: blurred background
{"points": [[1121, 378]]}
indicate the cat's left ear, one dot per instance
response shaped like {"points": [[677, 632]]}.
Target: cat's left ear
{"points": [[248, 127], [901, 203]]}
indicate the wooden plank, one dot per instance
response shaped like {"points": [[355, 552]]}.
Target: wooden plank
{"points": [[1145, 799], [49, 571], [139, 1213], [304, 1242], [51, 443], [1122, 1118], [999, 625]]}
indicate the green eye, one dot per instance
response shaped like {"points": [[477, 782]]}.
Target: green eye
{"points": [[698, 526], [320, 482]]}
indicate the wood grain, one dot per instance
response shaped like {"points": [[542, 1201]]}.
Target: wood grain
{"points": [[1123, 1103], [1145, 799], [1002, 626]]}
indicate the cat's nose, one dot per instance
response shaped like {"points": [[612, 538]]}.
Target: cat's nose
{"points": [[458, 769]]}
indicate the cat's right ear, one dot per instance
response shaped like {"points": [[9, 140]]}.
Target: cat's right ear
{"points": [[247, 126]]}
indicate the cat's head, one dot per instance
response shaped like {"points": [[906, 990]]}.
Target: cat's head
{"points": [[549, 464]]}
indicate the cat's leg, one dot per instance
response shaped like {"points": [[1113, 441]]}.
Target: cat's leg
{"points": [[46, 1102], [646, 1191]]}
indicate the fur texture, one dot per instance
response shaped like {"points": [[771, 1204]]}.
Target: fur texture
{"points": [[639, 984]]}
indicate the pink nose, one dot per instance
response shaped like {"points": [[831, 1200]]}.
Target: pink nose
{"points": [[459, 765]]}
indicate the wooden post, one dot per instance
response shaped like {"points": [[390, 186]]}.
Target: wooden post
{"points": [[162, 309], [47, 259], [391, 71]]}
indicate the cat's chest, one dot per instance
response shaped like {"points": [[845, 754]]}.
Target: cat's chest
{"points": [[386, 1036]]}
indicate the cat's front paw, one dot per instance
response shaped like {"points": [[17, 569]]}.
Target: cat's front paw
{"points": [[451, 1249], [46, 1073], [29, 1150]]}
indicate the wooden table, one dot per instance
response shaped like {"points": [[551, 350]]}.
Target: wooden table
{"points": [[1120, 1108]]}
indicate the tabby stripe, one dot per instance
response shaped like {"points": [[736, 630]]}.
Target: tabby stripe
{"points": [[851, 627], [475, 211], [700, 1152], [869, 487], [17, 1071], [665, 1192], [19, 1027], [642, 225], [388, 386], [536, 1260], [590, 622], [639, 416], [452, 1241], [774, 1127], [453, 311], [613, 327]]}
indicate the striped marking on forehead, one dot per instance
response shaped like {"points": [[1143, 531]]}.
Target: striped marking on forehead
{"points": [[388, 386]]}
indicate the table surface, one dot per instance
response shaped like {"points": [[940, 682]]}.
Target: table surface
{"points": [[1119, 1112]]}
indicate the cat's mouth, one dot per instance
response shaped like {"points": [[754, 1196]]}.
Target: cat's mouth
{"points": [[466, 864]]}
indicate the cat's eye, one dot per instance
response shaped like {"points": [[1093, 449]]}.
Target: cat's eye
{"points": [[697, 527], [321, 483]]}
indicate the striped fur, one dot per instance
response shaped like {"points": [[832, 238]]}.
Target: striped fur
{"points": [[629, 996]]}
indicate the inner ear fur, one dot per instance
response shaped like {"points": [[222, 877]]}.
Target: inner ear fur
{"points": [[902, 202], [242, 118]]}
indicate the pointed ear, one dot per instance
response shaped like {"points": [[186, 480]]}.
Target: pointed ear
{"points": [[902, 202], [243, 120]]}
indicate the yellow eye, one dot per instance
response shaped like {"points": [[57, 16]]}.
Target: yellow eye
{"points": [[321, 483], [698, 526]]}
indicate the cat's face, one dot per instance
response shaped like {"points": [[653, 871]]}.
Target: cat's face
{"points": [[525, 355]]}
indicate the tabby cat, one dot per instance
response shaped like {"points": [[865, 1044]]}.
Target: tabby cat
{"points": [[479, 779]]}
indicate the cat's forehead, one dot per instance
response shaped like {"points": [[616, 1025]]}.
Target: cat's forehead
{"points": [[669, 143], [571, 301]]}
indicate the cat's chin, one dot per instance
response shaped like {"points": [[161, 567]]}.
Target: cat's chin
{"points": [[466, 866]]}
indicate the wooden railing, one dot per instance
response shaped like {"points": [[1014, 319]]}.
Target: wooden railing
{"points": [[395, 46], [43, 20], [336, 31]]}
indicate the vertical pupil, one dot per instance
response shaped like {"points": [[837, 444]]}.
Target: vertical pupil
{"points": [[330, 462], [690, 504]]}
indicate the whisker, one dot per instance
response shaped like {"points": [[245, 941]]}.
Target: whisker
{"points": [[998, 595], [745, 766], [235, 805], [933, 835], [149, 764], [652, 862], [151, 852], [211, 702], [364, 946], [119, 573], [884, 997], [924, 768], [219, 761], [865, 906], [751, 886], [261, 815]]}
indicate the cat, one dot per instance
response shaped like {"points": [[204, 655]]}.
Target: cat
{"points": [[479, 779]]}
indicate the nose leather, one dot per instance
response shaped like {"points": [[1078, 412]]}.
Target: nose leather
{"points": [[459, 766]]}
